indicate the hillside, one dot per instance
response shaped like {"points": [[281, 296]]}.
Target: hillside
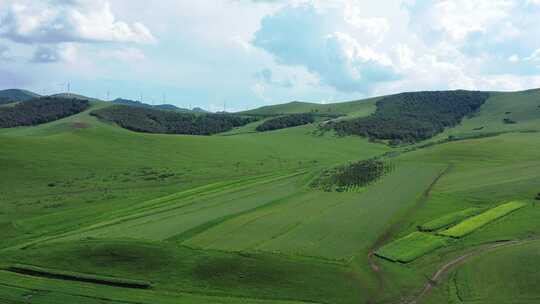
{"points": [[352, 108], [150, 120], [40, 110], [14, 95], [134, 103], [235, 219]]}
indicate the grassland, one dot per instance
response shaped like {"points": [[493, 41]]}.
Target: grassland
{"points": [[231, 218], [505, 275], [411, 247], [478, 221], [335, 226]]}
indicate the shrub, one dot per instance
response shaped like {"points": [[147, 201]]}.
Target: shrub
{"points": [[140, 119], [286, 121], [348, 177], [509, 121], [40, 110]]}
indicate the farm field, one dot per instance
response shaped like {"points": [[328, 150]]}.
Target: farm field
{"points": [[449, 219], [471, 224], [410, 247], [232, 218]]}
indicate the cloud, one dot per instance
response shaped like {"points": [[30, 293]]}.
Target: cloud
{"points": [[305, 36], [57, 21], [129, 55], [266, 76], [4, 53], [54, 53], [486, 31]]}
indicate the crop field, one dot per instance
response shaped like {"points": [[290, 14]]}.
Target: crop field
{"points": [[325, 225], [231, 218], [449, 219], [411, 247], [478, 221]]}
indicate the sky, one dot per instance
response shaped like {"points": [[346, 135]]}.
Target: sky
{"points": [[241, 54]]}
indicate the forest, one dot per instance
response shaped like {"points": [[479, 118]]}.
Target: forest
{"points": [[5, 100], [286, 121], [147, 120], [413, 117], [40, 110]]}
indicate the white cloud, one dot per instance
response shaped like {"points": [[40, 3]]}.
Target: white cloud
{"points": [[319, 40], [56, 53], [129, 55], [56, 21], [4, 53]]}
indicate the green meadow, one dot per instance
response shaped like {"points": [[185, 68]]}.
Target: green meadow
{"points": [[231, 218]]}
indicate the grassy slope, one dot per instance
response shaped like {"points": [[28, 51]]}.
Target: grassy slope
{"points": [[506, 275], [100, 169], [78, 172], [301, 225], [18, 95], [352, 108], [522, 107]]}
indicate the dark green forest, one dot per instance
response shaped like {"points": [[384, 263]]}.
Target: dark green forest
{"points": [[40, 110], [286, 121], [5, 100], [413, 117], [146, 120]]}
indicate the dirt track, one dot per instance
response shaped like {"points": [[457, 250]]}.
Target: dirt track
{"points": [[444, 269]]}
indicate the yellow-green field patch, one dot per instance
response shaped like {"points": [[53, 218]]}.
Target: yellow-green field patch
{"points": [[474, 223], [449, 219], [411, 247]]}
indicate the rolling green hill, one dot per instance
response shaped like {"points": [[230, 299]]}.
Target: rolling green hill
{"points": [[15, 95], [233, 219]]}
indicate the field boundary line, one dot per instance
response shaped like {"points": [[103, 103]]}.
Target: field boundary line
{"points": [[387, 234]]}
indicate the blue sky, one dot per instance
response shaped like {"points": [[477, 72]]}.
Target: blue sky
{"points": [[249, 53]]}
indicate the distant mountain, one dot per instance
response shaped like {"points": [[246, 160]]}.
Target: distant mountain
{"points": [[13, 95], [73, 96], [129, 102], [169, 107], [134, 103], [199, 110]]}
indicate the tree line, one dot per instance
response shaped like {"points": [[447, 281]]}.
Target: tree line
{"points": [[286, 121], [40, 110], [413, 117], [148, 120]]}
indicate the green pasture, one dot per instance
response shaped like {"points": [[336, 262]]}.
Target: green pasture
{"points": [[504, 275], [171, 269]]}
